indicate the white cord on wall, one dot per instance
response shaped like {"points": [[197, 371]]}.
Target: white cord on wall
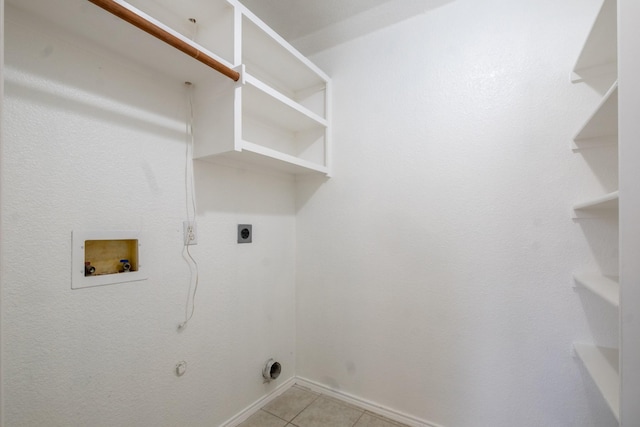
{"points": [[191, 208]]}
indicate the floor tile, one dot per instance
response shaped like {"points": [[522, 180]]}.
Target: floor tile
{"points": [[369, 420], [325, 412], [263, 419], [291, 403], [342, 402]]}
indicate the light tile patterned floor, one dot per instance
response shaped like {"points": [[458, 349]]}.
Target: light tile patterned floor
{"points": [[299, 407]]}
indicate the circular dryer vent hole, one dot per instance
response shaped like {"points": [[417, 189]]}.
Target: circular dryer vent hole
{"points": [[271, 370], [275, 371]]}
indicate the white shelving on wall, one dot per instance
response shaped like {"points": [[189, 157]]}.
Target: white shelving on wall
{"points": [[602, 125], [599, 54], [73, 19], [605, 287], [608, 201], [603, 365], [598, 63], [276, 116]]}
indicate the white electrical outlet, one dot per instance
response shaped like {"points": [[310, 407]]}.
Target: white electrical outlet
{"points": [[190, 233]]}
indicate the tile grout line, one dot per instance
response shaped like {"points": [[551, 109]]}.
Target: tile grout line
{"points": [[303, 409], [322, 395], [280, 418], [398, 417], [361, 415]]}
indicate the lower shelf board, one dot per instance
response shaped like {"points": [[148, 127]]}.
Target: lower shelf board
{"points": [[607, 201], [268, 159], [604, 121], [605, 287], [603, 366]]}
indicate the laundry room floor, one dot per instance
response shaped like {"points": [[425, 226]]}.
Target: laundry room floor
{"points": [[300, 407]]}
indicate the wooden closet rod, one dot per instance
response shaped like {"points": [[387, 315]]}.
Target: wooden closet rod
{"points": [[151, 28]]}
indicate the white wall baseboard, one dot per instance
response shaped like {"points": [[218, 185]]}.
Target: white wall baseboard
{"points": [[255, 407], [339, 395], [365, 404]]}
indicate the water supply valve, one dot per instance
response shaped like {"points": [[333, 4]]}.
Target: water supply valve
{"points": [[89, 270], [126, 266]]}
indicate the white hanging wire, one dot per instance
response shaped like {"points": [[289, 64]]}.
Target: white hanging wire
{"points": [[191, 208]]}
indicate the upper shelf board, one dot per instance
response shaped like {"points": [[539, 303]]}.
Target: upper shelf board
{"points": [[599, 55], [82, 19], [603, 123], [271, 58]]}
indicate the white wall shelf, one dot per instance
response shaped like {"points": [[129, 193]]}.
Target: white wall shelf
{"points": [[598, 56], [605, 287], [79, 18], [273, 60], [602, 125], [606, 202], [603, 367], [277, 108], [597, 64], [277, 114], [268, 159]]}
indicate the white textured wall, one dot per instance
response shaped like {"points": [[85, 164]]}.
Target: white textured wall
{"points": [[434, 268], [90, 142]]}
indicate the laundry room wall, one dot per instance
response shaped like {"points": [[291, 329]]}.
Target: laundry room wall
{"points": [[435, 268], [93, 142]]}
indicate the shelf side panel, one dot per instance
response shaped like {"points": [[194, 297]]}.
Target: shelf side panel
{"points": [[216, 113], [629, 148]]}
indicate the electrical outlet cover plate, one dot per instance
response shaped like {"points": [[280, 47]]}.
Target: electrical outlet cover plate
{"points": [[245, 233]]}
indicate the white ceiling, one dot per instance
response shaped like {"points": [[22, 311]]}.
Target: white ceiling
{"points": [[315, 25], [293, 19]]}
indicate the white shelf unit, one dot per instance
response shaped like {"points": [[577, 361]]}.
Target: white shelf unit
{"points": [[604, 287], [277, 115], [599, 54], [603, 366], [597, 63]]}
